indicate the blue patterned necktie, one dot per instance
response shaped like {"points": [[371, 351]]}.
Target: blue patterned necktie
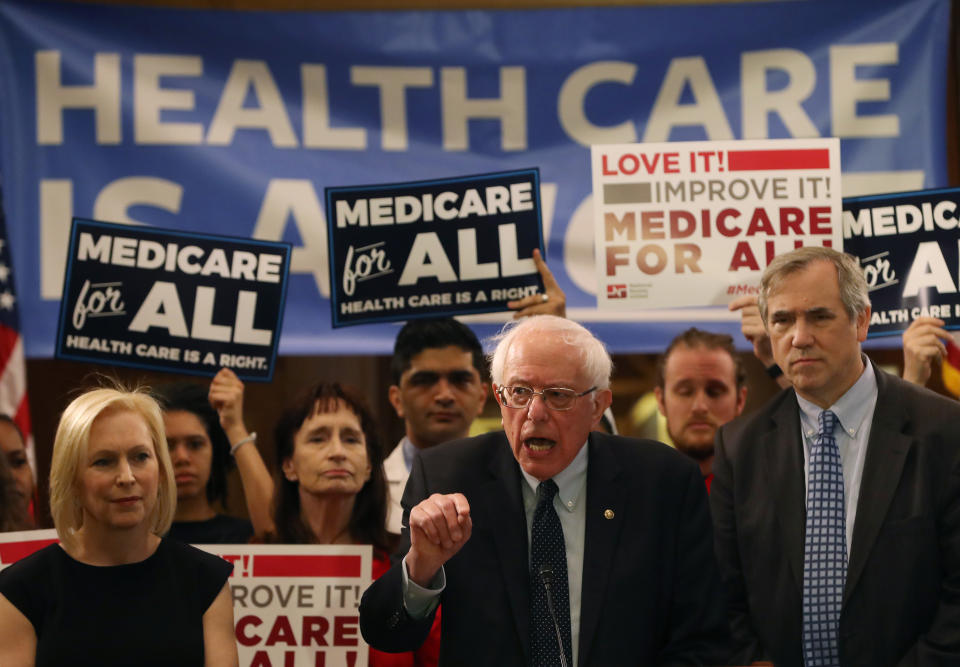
{"points": [[824, 550], [548, 549]]}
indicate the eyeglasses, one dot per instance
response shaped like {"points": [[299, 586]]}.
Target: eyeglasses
{"points": [[555, 398]]}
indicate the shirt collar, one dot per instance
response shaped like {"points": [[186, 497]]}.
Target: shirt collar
{"points": [[851, 409], [409, 450], [570, 481]]}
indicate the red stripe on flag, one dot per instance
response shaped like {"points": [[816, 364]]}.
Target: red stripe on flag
{"points": [[801, 158], [11, 552], [8, 341], [306, 566]]}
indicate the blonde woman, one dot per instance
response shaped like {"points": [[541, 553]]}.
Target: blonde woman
{"points": [[112, 592]]}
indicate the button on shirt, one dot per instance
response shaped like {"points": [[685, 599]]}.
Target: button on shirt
{"points": [[854, 412], [570, 504]]}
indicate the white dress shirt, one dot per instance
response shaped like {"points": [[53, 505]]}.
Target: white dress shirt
{"points": [[854, 412]]}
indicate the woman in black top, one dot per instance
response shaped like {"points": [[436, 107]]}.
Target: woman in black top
{"points": [[202, 428], [113, 592]]}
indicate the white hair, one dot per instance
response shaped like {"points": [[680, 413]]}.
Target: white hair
{"points": [[594, 358]]}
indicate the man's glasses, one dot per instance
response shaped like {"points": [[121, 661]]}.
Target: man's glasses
{"points": [[555, 398]]}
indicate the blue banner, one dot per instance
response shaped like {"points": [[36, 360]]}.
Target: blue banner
{"points": [[234, 123], [179, 302], [908, 248]]}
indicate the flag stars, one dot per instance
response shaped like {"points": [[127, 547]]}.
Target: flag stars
{"points": [[7, 300], [4, 272]]}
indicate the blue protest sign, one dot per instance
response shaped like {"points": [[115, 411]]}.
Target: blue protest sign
{"points": [[443, 247], [907, 244], [172, 301]]}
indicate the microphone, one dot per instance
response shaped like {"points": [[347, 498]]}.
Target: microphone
{"points": [[546, 578]]}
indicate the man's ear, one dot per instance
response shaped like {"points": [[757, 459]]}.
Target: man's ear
{"points": [[658, 393], [485, 390], [604, 397], [394, 395], [741, 400], [863, 323]]}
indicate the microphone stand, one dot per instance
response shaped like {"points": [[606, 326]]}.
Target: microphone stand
{"points": [[546, 578]]}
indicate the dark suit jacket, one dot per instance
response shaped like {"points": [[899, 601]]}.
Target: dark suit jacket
{"points": [[651, 591], [901, 602]]}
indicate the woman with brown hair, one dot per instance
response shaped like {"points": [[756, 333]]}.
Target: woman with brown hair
{"points": [[207, 437], [332, 488]]}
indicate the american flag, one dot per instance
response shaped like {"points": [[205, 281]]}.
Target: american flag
{"points": [[13, 367]]}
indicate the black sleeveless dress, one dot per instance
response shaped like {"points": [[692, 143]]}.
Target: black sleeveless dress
{"points": [[138, 615]]}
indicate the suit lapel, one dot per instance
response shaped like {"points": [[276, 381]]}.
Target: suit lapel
{"points": [[501, 494], [783, 459], [605, 491], [886, 452]]}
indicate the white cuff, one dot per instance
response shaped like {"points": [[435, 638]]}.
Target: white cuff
{"points": [[417, 600]]}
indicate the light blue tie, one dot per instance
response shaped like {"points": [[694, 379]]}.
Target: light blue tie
{"points": [[824, 550]]}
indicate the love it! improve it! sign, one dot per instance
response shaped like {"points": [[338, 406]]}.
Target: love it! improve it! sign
{"points": [[298, 605], [695, 223], [429, 248], [172, 301]]}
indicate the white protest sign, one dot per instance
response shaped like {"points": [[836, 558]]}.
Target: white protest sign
{"points": [[695, 223], [298, 605], [20, 544]]}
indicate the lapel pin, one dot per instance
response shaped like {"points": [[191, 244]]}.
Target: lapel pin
{"points": [[608, 514]]}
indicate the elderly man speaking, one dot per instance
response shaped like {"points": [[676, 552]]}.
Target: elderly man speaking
{"points": [[549, 544]]}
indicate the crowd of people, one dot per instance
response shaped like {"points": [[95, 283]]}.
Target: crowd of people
{"points": [[817, 530]]}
